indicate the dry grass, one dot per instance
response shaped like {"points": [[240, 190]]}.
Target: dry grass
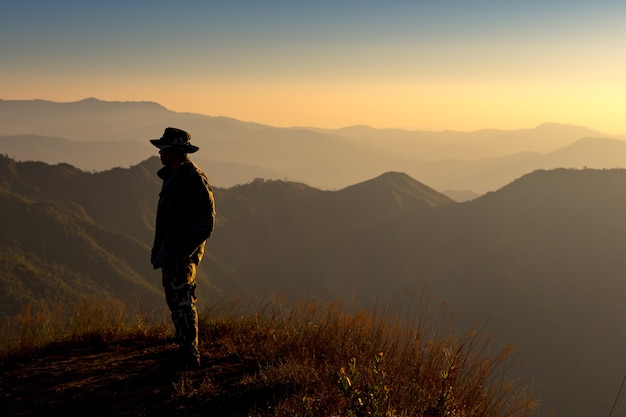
{"points": [[314, 359], [43, 324]]}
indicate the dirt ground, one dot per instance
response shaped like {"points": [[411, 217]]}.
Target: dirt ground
{"points": [[136, 379]]}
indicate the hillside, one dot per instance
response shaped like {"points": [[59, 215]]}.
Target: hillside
{"points": [[274, 359], [71, 235], [101, 225], [53, 249], [540, 259]]}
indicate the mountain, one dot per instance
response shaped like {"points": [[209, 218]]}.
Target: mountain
{"points": [[99, 135], [590, 152], [540, 259], [298, 153], [70, 235], [85, 120], [104, 155], [80, 215], [307, 234], [489, 174], [52, 247], [485, 143]]}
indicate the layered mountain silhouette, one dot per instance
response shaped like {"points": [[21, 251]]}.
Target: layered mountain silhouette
{"points": [[355, 213], [96, 135], [541, 259]]}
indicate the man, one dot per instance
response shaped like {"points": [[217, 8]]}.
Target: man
{"points": [[184, 221]]}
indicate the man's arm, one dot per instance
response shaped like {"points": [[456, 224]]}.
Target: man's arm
{"points": [[200, 216]]}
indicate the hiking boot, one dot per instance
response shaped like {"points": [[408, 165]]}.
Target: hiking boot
{"points": [[177, 360], [192, 362]]}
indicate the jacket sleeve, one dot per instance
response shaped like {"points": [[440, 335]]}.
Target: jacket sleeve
{"points": [[199, 214]]}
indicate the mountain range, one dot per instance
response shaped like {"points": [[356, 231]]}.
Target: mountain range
{"points": [[355, 214], [539, 260], [96, 135]]}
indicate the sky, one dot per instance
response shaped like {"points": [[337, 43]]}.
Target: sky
{"points": [[434, 65]]}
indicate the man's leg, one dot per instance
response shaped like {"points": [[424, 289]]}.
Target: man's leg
{"points": [[179, 283]]}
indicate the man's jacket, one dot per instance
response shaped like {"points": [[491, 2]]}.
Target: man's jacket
{"points": [[185, 215]]}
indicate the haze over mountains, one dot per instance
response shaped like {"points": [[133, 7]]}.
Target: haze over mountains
{"points": [[98, 135], [540, 258]]}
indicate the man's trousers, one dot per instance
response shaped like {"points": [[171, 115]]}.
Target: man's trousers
{"points": [[179, 283]]}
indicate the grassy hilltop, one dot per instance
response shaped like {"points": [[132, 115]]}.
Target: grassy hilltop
{"points": [[275, 358]]}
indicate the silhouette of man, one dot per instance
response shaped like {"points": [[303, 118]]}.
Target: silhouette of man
{"points": [[184, 221]]}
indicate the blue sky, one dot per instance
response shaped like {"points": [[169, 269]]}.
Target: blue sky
{"points": [[415, 64]]}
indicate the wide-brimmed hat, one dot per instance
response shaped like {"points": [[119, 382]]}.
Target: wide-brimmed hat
{"points": [[175, 140]]}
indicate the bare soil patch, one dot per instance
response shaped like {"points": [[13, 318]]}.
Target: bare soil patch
{"points": [[136, 379]]}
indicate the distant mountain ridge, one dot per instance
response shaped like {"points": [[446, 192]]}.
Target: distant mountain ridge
{"points": [[97, 135], [484, 143]]}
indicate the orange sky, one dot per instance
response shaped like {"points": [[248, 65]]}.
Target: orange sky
{"points": [[446, 66]]}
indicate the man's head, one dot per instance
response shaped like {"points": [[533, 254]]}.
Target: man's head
{"points": [[172, 159]]}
